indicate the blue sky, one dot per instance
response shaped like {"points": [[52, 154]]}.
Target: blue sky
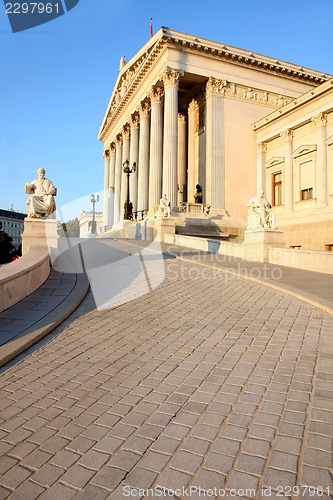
{"points": [[56, 79]]}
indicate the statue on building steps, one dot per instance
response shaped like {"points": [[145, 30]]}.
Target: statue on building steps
{"points": [[260, 214]]}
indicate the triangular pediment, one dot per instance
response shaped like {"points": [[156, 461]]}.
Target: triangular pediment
{"points": [[275, 160], [304, 149]]}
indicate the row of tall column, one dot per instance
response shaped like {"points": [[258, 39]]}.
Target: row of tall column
{"points": [[321, 164], [159, 141]]}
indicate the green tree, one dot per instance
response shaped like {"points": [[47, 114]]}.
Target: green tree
{"points": [[7, 250], [70, 229]]}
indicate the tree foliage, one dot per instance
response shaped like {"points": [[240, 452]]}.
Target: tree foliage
{"points": [[70, 229], [7, 249]]}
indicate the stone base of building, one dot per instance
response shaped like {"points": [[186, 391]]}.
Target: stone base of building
{"points": [[39, 232], [257, 244], [164, 226]]}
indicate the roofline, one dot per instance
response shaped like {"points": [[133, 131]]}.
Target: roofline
{"points": [[296, 103]]}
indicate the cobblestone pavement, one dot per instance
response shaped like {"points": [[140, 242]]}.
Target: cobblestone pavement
{"points": [[202, 382]]}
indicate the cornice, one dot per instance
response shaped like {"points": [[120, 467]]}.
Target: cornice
{"points": [[294, 104], [189, 43]]}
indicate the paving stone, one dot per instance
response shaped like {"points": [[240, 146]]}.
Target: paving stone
{"points": [[59, 492], [92, 491], [186, 461], [26, 491], [218, 462], [285, 461], [276, 478], [14, 477], [140, 478], [173, 479], [36, 459], [109, 477], [77, 476], [154, 461], [314, 476], [318, 458], [47, 475], [257, 447], [240, 480], [251, 464]]}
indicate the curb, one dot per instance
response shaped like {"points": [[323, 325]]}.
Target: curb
{"points": [[44, 326]]}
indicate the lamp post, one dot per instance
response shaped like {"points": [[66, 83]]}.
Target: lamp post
{"points": [[93, 224], [128, 206]]}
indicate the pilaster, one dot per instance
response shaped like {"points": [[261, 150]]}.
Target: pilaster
{"points": [[156, 146], [117, 182], [321, 164], [288, 136], [192, 180], [261, 173]]}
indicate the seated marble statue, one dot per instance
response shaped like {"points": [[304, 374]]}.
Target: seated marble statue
{"points": [[260, 214], [41, 202], [164, 211]]}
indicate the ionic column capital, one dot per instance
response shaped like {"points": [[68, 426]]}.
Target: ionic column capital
{"points": [[144, 109], [119, 141], [126, 131], [216, 86], [320, 120], [171, 76], [181, 118], [135, 120], [261, 147], [287, 135], [156, 94]]}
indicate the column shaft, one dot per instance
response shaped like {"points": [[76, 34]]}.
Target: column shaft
{"points": [[261, 158], [134, 158], [143, 178], [156, 147], [126, 156], [192, 178], [106, 197], [215, 143], [170, 145], [182, 163], [117, 181], [111, 184]]}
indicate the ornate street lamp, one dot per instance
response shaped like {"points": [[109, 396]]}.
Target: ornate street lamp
{"points": [[128, 206], [93, 224]]}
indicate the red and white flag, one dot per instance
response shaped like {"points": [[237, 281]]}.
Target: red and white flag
{"points": [[151, 27]]}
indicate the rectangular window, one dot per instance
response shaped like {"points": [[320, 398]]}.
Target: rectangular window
{"points": [[307, 194], [277, 189], [296, 247], [329, 248]]}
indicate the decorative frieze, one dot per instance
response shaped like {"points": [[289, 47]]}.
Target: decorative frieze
{"points": [[250, 94]]}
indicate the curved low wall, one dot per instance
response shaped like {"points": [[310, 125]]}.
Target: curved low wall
{"points": [[20, 278]]}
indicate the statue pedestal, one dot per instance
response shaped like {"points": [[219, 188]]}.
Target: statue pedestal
{"points": [[164, 226], [257, 243], [39, 232]]}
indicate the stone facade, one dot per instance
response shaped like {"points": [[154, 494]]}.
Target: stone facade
{"points": [[12, 224], [184, 110]]}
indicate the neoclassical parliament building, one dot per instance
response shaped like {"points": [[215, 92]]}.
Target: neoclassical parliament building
{"points": [[191, 111]]}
